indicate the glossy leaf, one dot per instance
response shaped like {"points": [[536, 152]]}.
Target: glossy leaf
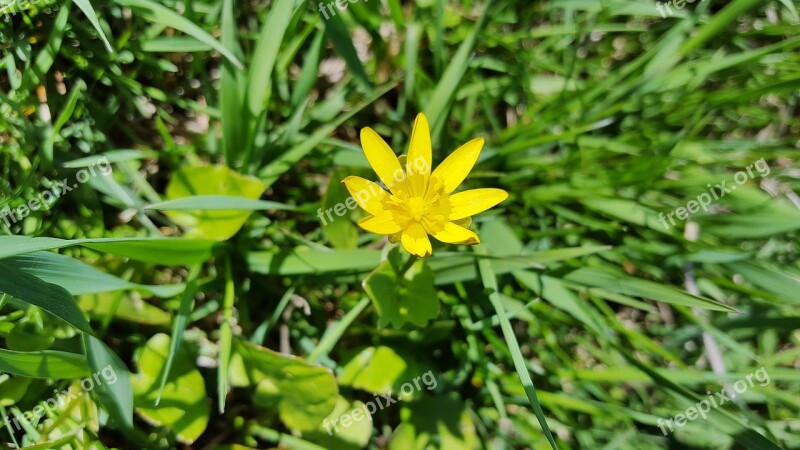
{"points": [[301, 393], [410, 298], [216, 181], [184, 408]]}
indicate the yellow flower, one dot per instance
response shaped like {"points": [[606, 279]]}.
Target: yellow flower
{"points": [[418, 202]]}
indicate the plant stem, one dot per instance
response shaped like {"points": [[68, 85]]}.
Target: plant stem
{"points": [[411, 260], [335, 332]]}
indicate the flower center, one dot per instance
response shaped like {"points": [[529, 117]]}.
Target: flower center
{"points": [[417, 207]]}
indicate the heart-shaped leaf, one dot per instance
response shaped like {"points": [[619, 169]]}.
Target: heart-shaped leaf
{"points": [[348, 427], [435, 423], [214, 181], [400, 299], [184, 408], [303, 394], [381, 370]]}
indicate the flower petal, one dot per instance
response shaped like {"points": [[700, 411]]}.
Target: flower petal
{"points": [[384, 223], [457, 166], [415, 241], [418, 163], [468, 203], [454, 234], [368, 195], [383, 160], [465, 222]]}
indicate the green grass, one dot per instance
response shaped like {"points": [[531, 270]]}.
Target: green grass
{"points": [[601, 118]]}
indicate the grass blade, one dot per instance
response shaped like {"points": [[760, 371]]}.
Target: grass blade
{"points": [[44, 364], [225, 338], [181, 319], [339, 35], [266, 52], [490, 283], [166, 17], [88, 11], [235, 117], [445, 90], [217, 203]]}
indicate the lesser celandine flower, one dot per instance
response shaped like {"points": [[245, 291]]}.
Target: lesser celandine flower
{"points": [[418, 202]]}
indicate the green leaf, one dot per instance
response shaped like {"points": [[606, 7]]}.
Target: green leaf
{"points": [[304, 261], [773, 218], [113, 156], [442, 423], [235, 115], [213, 184], [116, 397], [44, 364], [175, 44], [12, 389], [127, 308], [303, 394], [308, 74], [69, 438], [181, 319], [155, 250], [18, 245], [628, 211], [80, 278], [353, 437], [218, 203], [266, 53], [380, 370], [627, 285], [50, 297], [57, 301], [341, 231], [173, 252], [731, 12], [490, 284], [400, 299], [88, 10], [452, 268], [226, 337], [28, 337], [500, 240], [783, 284], [184, 408], [339, 35], [65, 114], [375, 369], [554, 291]]}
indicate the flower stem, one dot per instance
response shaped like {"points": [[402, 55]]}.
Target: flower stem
{"points": [[411, 260], [335, 332]]}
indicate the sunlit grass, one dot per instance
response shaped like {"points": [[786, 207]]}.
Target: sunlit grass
{"points": [[600, 119]]}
